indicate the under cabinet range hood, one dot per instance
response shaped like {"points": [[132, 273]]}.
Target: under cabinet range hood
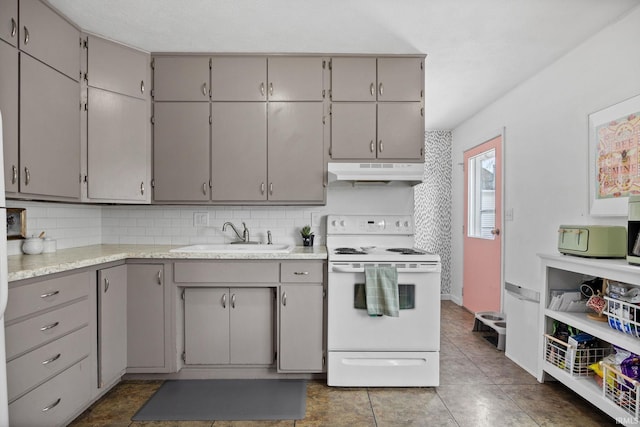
{"points": [[376, 173]]}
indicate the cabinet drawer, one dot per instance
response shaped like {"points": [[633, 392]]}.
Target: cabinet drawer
{"points": [[301, 272], [226, 272], [38, 296], [38, 330], [55, 401], [45, 362]]}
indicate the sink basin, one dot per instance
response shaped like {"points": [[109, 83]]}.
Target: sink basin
{"points": [[235, 248]]}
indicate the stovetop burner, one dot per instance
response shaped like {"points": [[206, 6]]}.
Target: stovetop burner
{"points": [[405, 251], [348, 251]]}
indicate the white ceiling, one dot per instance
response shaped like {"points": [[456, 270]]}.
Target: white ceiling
{"points": [[476, 49]]}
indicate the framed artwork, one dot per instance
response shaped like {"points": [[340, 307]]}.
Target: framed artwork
{"points": [[614, 157], [16, 223]]}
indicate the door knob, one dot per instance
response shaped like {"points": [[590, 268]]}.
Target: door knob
{"points": [[495, 231]]}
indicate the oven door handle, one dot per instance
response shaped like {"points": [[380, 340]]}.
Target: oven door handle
{"points": [[425, 269]]}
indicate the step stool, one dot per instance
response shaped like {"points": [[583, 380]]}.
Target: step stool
{"points": [[491, 320]]}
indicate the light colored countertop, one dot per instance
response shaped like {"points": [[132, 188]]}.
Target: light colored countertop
{"points": [[28, 266]]}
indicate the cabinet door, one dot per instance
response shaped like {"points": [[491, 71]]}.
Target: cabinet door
{"points": [[251, 326], [400, 79], [117, 68], [49, 131], [9, 21], [181, 78], [295, 79], [206, 326], [117, 147], [145, 316], [353, 79], [112, 324], [296, 161], [238, 78], [353, 130], [9, 109], [301, 335], [47, 36], [181, 151], [239, 151], [400, 131]]}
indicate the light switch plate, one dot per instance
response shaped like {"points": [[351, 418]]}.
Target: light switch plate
{"points": [[201, 219]]}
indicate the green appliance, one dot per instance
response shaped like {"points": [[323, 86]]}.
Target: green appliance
{"points": [[594, 241]]}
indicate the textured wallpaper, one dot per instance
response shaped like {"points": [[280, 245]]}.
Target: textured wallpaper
{"points": [[433, 202]]}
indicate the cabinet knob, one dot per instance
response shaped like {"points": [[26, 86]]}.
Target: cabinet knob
{"points": [[270, 89], [142, 86], [262, 188], [372, 147], [204, 188], [262, 88], [26, 35], [142, 188], [380, 89], [204, 89], [372, 89], [380, 146]]}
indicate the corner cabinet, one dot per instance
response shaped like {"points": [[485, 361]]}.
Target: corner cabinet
{"points": [[112, 325], [118, 141], [565, 272]]}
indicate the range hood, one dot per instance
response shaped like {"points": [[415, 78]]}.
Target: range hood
{"points": [[383, 173]]}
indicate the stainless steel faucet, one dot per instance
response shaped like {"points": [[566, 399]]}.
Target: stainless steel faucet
{"points": [[245, 233]]}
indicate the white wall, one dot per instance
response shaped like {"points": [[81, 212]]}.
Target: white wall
{"points": [[546, 147]]}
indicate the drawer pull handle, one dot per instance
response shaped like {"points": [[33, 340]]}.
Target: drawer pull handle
{"points": [[233, 301], [224, 300], [53, 405], [14, 27], [49, 326], [49, 294], [53, 359], [284, 299], [14, 175], [159, 277], [301, 273], [26, 36]]}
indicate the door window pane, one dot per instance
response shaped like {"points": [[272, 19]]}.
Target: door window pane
{"points": [[482, 195]]}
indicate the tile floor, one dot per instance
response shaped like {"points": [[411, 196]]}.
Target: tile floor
{"points": [[479, 386]]}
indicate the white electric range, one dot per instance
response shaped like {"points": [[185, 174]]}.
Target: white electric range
{"points": [[381, 351]]}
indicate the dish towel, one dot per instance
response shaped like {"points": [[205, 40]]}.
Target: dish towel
{"points": [[381, 289]]}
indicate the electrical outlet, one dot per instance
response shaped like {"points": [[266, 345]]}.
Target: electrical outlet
{"points": [[316, 219], [201, 219], [508, 214]]}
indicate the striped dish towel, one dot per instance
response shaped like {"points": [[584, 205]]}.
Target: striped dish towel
{"points": [[381, 288]]}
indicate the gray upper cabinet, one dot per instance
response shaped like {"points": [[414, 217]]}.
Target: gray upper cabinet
{"points": [[239, 151], [49, 131], [9, 21], [377, 108], [117, 147], [238, 78], [181, 78], [296, 162], [117, 68], [294, 78], [45, 35], [9, 108], [118, 140], [181, 151], [353, 79]]}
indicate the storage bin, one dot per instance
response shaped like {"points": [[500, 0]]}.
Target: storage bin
{"points": [[574, 361], [620, 389], [623, 316]]}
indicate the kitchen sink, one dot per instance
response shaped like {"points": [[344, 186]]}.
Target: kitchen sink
{"points": [[235, 248]]}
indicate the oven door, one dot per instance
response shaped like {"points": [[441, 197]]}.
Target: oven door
{"points": [[417, 328]]}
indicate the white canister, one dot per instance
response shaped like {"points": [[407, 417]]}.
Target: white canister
{"points": [[49, 245], [33, 246]]}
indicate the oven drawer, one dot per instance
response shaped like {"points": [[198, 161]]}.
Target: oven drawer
{"points": [[301, 272]]}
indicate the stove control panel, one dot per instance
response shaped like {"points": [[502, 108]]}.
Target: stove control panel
{"points": [[370, 224]]}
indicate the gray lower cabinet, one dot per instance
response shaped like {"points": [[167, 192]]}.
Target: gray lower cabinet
{"points": [[117, 147], [145, 318], [301, 331], [112, 324], [48, 341], [9, 108], [49, 131], [229, 326], [9, 21], [181, 151]]}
